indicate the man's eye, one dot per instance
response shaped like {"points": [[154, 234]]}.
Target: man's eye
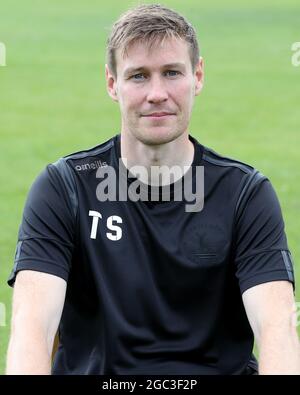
{"points": [[137, 77], [172, 73]]}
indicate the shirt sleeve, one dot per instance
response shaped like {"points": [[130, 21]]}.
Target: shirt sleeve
{"points": [[261, 253], [46, 234]]}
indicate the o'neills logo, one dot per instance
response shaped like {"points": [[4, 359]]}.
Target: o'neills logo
{"points": [[91, 166]]}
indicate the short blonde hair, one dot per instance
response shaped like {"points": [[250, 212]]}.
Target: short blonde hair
{"points": [[150, 23]]}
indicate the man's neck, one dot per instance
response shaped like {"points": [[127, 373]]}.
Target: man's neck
{"points": [[179, 153]]}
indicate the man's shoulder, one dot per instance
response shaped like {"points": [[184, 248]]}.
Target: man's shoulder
{"points": [[215, 159], [235, 174], [93, 151], [87, 159]]}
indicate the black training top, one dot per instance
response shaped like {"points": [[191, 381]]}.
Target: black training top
{"points": [[153, 288]]}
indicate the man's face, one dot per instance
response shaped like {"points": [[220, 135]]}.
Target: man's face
{"points": [[155, 90]]}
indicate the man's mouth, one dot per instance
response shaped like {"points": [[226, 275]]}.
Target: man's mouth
{"points": [[158, 115]]}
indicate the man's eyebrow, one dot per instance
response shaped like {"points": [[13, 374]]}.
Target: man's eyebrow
{"points": [[131, 70]]}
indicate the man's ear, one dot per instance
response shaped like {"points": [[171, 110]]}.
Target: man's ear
{"points": [[199, 76], [111, 84]]}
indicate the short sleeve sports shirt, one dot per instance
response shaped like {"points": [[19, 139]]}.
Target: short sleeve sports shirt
{"points": [[153, 288]]}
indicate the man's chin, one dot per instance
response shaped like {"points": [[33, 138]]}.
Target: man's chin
{"points": [[157, 136]]}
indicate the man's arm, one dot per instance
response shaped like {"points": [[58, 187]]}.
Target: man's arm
{"points": [[37, 307], [271, 311]]}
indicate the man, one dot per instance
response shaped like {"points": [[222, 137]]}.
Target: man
{"points": [[148, 286]]}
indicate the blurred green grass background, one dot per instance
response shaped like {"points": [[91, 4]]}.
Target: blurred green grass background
{"points": [[53, 99]]}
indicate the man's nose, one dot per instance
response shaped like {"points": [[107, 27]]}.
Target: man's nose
{"points": [[157, 91]]}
